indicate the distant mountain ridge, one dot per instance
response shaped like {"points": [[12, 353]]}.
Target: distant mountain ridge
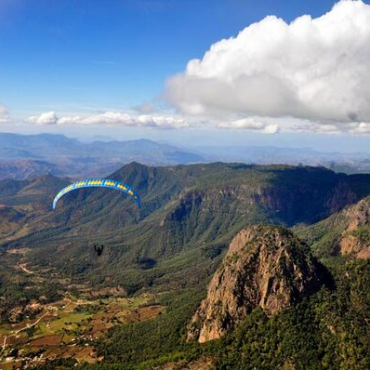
{"points": [[349, 163], [23, 156], [25, 169]]}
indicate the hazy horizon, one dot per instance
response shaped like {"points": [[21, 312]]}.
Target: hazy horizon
{"points": [[206, 138]]}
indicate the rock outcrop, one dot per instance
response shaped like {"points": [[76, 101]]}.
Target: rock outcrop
{"points": [[355, 239], [265, 266]]}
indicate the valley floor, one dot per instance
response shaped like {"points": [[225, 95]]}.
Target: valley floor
{"points": [[42, 331]]}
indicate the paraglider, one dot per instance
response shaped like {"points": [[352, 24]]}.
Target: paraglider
{"points": [[102, 183], [98, 250]]}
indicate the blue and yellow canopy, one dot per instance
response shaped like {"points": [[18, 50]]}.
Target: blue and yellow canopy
{"points": [[101, 183]]}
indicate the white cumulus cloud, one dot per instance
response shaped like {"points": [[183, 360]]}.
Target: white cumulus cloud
{"points": [[311, 69], [250, 124], [112, 119], [44, 119]]}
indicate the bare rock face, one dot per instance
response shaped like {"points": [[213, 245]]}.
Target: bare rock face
{"points": [[265, 266], [355, 239], [359, 214]]}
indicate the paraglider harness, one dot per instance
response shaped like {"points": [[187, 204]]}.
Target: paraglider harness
{"points": [[98, 250]]}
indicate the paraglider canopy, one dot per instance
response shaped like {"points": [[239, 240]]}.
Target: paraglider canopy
{"points": [[102, 183]]}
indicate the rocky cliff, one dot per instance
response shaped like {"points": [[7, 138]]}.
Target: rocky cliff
{"points": [[265, 266], [355, 239], [346, 233]]}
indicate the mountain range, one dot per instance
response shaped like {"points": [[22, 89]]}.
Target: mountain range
{"points": [[26, 156], [187, 214], [349, 163], [260, 267]]}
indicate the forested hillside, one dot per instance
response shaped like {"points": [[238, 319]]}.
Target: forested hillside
{"points": [[164, 254], [189, 215]]}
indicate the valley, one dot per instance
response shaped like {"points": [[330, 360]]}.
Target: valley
{"points": [[184, 185], [41, 330], [139, 304]]}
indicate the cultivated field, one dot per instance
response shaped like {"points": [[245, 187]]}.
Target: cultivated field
{"points": [[68, 327]]}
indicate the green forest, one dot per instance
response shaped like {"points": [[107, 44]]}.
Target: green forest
{"points": [[171, 248]]}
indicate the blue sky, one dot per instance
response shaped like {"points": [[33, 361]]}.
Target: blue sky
{"points": [[84, 57], [116, 53]]}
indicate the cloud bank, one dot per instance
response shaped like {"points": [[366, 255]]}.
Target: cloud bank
{"points": [[111, 119], [315, 70], [166, 122]]}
